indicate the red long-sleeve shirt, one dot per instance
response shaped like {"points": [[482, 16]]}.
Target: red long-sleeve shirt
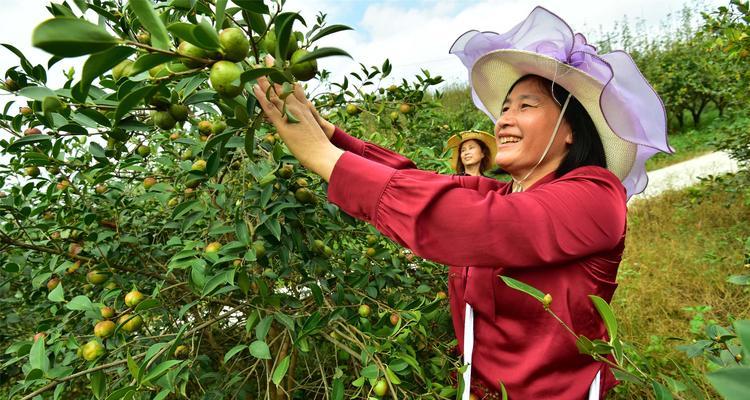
{"points": [[564, 236]]}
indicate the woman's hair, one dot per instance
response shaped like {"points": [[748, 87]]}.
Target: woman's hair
{"points": [[486, 162], [586, 148]]}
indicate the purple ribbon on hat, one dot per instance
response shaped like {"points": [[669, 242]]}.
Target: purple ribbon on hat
{"points": [[630, 105]]}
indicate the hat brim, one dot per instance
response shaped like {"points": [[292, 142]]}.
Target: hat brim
{"points": [[495, 73], [454, 142]]}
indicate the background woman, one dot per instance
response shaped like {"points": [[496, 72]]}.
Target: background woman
{"points": [[473, 152]]}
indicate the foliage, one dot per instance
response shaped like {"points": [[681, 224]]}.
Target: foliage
{"points": [[151, 171]]}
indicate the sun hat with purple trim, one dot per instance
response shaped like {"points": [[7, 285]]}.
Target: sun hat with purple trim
{"points": [[627, 112]]}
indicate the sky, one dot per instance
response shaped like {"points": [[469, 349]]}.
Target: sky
{"points": [[413, 34]]}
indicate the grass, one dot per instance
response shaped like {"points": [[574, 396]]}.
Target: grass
{"points": [[680, 248]]}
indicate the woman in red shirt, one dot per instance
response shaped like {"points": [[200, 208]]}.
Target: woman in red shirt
{"points": [[473, 152], [573, 129]]}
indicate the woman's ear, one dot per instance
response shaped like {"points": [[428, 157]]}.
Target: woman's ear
{"points": [[569, 138]]}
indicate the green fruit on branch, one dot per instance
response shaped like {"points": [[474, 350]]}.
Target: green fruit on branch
{"points": [[130, 323], [160, 102], [364, 311], [143, 37], [31, 131], [181, 352], [104, 329], [107, 312], [352, 109], [11, 85], [392, 89], [205, 127], [163, 119], [101, 188], [190, 50], [213, 248], [234, 44], [301, 182], [32, 172], [193, 183], [380, 388], [119, 134], [218, 127], [225, 78], [394, 115], [92, 350], [95, 277], [286, 171], [260, 248], [52, 284], [372, 239], [179, 112], [370, 252], [133, 298], [122, 70], [149, 182], [173, 202], [25, 110], [62, 185], [270, 139], [405, 108], [304, 195], [303, 71], [144, 151], [187, 155], [199, 165], [74, 267], [441, 295]]}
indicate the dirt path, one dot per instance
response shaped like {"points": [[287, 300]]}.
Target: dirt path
{"points": [[686, 173]]}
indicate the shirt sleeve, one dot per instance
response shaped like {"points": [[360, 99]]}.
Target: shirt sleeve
{"points": [[370, 151], [456, 221]]}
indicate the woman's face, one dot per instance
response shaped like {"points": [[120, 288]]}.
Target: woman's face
{"points": [[525, 127], [471, 153]]}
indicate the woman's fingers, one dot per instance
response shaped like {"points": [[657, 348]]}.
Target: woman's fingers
{"points": [[271, 110]]}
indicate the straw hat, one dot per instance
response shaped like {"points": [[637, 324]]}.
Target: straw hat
{"points": [[627, 112], [456, 140]]}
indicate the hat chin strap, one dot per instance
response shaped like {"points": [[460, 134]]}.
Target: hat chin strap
{"points": [[517, 187]]}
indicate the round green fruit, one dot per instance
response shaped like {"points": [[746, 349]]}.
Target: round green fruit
{"points": [[205, 127], [32, 172], [380, 388], [143, 151], [122, 70], [179, 112], [130, 323], [218, 127], [92, 350], [52, 104], [181, 352], [405, 108], [304, 195], [225, 78], [163, 119], [148, 182], [104, 329], [133, 298], [394, 115], [213, 248], [234, 44], [286, 171], [101, 188], [190, 50], [95, 277], [25, 111], [441, 295], [364, 311], [199, 165], [303, 71], [260, 248], [143, 37], [352, 109]]}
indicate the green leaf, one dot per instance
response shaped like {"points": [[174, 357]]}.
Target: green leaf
{"points": [[71, 37], [132, 100], [280, 371], [607, 315], [260, 350], [98, 384], [221, 6], [160, 369], [323, 52], [255, 6], [742, 329], [518, 285], [370, 371], [284, 24], [660, 391], [263, 327], [195, 34], [135, 371], [28, 140], [337, 393], [36, 92], [122, 393], [79, 303], [148, 61], [731, 383], [147, 16], [329, 30], [584, 345], [97, 64], [57, 295], [233, 351], [392, 376], [38, 356]]}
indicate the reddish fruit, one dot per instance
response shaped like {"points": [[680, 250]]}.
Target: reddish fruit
{"points": [[149, 182], [74, 249], [133, 298], [62, 185], [174, 136], [31, 131], [107, 312], [104, 329], [52, 283], [39, 335], [395, 318]]}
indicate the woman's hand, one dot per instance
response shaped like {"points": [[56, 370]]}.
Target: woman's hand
{"points": [[305, 139], [299, 93]]}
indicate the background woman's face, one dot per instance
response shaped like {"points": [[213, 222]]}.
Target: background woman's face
{"points": [[525, 126], [471, 153]]}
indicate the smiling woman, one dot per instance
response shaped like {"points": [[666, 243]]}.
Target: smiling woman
{"points": [[574, 129]]}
